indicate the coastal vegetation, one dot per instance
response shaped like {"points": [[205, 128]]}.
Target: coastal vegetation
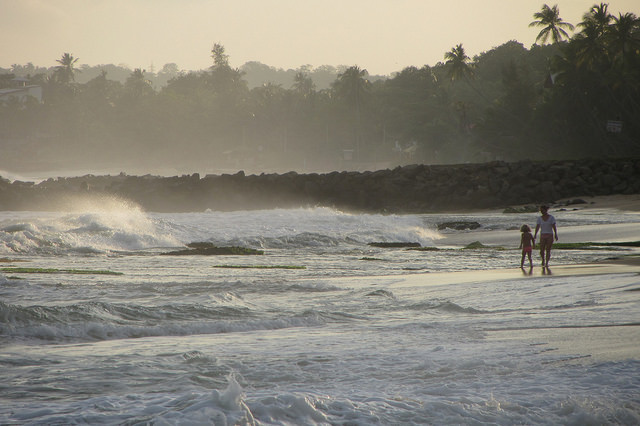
{"points": [[570, 96]]}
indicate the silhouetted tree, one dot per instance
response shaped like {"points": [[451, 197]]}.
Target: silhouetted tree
{"points": [[64, 72], [6, 80], [303, 85], [352, 87], [138, 86], [220, 59], [624, 38], [458, 64], [553, 25], [598, 18], [556, 97]]}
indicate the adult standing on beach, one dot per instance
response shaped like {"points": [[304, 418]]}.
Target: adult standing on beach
{"points": [[546, 224]]}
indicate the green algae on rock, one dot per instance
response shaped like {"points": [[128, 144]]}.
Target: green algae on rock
{"points": [[58, 271], [208, 249]]}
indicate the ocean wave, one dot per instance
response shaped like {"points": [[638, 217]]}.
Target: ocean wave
{"points": [[291, 241], [122, 227], [110, 312], [213, 407], [300, 228], [233, 404], [576, 304], [102, 321], [381, 293], [445, 306], [111, 226], [314, 287]]}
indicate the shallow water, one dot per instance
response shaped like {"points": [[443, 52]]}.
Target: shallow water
{"points": [[333, 332]]}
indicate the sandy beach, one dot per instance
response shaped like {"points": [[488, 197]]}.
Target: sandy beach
{"points": [[618, 202]]}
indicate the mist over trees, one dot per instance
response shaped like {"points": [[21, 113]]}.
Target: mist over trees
{"points": [[570, 97]]}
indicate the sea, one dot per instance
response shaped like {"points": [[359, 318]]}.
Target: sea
{"points": [[99, 326]]}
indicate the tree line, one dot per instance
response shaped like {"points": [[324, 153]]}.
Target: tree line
{"points": [[566, 97]]}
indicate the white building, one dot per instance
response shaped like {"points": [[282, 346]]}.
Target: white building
{"points": [[21, 91]]}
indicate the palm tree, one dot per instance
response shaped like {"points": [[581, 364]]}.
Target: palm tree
{"points": [[458, 63], [303, 85], [64, 72], [624, 37], [460, 68], [598, 19], [352, 86], [590, 44], [137, 85], [553, 25]]}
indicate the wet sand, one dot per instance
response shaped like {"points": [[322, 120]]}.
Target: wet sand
{"points": [[580, 343], [587, 344], [613, 266], [619, 202]]}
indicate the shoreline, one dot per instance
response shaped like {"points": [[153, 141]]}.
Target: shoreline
{"points": [[624, 265], [627, 260], [629, 202], [621, 266], [620, 202]]}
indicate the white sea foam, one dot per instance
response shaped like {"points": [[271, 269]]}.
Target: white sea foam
{"points": [[310, 227], [91, 225]]}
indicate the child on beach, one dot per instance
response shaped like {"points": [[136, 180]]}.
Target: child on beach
{"points": [[527, 244]]}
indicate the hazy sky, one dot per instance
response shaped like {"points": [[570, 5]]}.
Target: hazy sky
{"points": [[381, 36]]}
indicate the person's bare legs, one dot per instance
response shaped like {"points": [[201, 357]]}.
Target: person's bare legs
{"points": [[548, 255], [546, 241]]}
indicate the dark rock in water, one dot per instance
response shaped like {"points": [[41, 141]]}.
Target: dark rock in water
{"points": [[475, 246], [201, 245], [459, 226], [394, 245], [208, 249], [425, 248]]}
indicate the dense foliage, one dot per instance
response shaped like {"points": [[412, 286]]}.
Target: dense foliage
{"points": [[562, 100]]}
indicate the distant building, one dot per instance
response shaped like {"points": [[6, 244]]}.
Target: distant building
{"points": [[20, 91]]}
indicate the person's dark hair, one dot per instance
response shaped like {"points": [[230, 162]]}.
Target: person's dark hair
{"points": [[525, 228], [544, 208]]}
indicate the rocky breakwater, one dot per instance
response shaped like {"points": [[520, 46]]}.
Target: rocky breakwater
{"points": [[409, 189]]}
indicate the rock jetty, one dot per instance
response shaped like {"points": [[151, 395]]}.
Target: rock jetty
{"points": [[416, 188]]}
